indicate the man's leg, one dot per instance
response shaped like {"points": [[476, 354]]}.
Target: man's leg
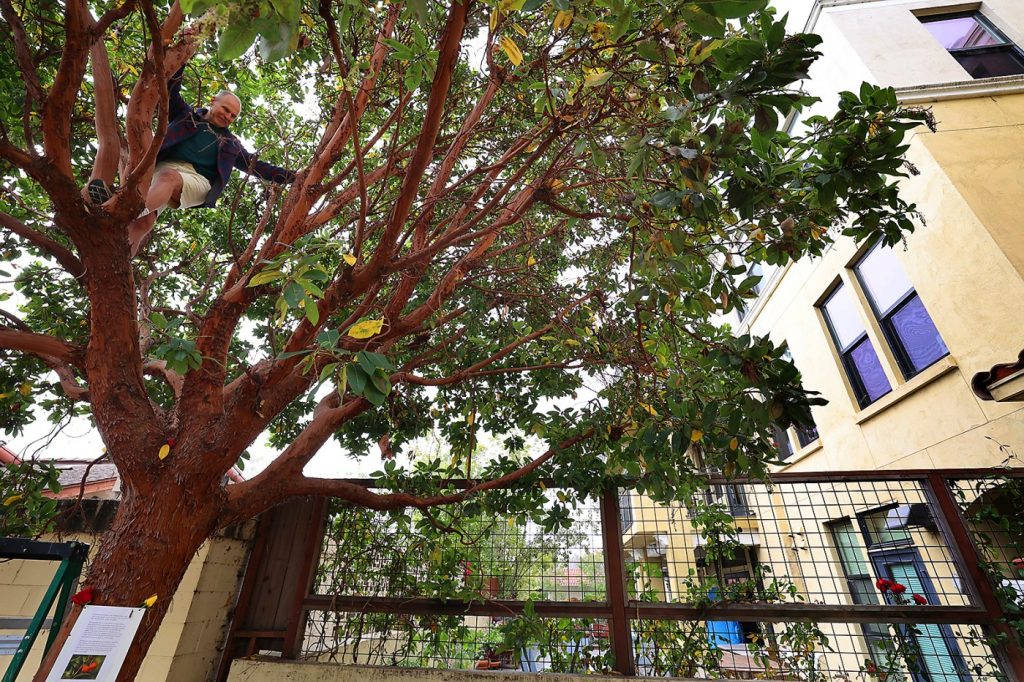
{"points": [[165, 190]]}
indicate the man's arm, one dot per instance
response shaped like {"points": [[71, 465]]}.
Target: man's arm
{"points": [[247, 161], [176, 106]]}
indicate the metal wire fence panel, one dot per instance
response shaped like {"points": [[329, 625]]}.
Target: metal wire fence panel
{"points": [[815, 652], [845, 577], [493, 557], [994, 510], [570, 645], [816, 543]]}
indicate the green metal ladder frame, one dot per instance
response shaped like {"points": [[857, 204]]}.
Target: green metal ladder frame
{"points": [[72, 556]]}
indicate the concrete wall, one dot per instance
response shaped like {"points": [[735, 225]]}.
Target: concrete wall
{"points": [[187, 647], [272, 670]]}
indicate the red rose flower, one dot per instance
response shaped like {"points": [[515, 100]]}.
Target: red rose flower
{"points": [[883, 585], [84, 597], [897, 588], [918, 599]]}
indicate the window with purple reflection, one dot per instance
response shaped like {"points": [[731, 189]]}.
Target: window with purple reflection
{"points": [[907, 326], [976, 44], [863, 368]]}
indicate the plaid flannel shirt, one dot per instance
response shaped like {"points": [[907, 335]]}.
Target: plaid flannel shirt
{"points": [[182, 124]]}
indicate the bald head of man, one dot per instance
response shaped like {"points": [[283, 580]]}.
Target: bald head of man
{"points": [[224, 108]]}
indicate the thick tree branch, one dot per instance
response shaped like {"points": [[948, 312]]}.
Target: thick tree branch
{"points": [[158, 368], [63, 255], [66, 376], [448, 55], [259, 494], [41, 345], [60, 101], [23, 53]]}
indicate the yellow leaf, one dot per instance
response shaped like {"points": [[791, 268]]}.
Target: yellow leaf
{"points": [[542, 486], [4, 395], [734, 443], [563, 19], [492, 23], [649, 409], [696, 435], [597, 78], [12, 499], [470, 418], [531, 261], [511, 50], [364, 329], [25, 389], [165, 450], [349, 258], [511, 520], [435, 555], [520, 30], [149, 601]]}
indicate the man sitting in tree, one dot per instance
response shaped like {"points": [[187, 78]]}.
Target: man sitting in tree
{"points": [[195, 159]]}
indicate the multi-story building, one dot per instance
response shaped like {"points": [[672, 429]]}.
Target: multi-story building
{"points": [[893, 337]]}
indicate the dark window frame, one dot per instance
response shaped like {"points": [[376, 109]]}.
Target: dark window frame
{"points": [[865, 530], [1006, 46], [846, 353], [885, 320]]}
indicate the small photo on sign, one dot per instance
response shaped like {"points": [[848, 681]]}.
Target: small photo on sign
{"points": [[83, 667]]}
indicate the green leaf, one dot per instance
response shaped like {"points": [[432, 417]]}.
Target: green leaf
{"points": [[357, 378], [294, 353], [375, 397], [732, 9], [701, 22], [328, 338], [312, 311], [234, 41], [381, 382], [668, 198], [265, 277], [531, 5], [327, 371], [293, 294], [651, 51], [413, 77], [419, 10]]}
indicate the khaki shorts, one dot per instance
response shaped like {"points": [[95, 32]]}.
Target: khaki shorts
{"points": [[194, 187]]}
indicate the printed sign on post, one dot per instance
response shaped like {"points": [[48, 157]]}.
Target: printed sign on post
{"points": [[98, 644]]}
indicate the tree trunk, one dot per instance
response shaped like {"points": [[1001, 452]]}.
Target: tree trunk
{"points": [[146, 551]]}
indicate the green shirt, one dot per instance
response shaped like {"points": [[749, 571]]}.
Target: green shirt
{"points": [[200, 150]]}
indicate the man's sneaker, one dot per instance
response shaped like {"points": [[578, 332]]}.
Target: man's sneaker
{"points": [[99, 192]]}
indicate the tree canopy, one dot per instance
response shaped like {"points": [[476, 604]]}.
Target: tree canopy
{"points": [[524, 217]]}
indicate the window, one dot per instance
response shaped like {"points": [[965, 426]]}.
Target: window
{"points": [[860, 584], [907, 326], [742, 306], [805, 435], [980, 48], [858, 355], [782, 443], [625, 511], [883, 528]]}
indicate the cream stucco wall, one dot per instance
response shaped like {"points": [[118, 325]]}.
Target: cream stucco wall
{"points": [[966, 262], [187, 646]]}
